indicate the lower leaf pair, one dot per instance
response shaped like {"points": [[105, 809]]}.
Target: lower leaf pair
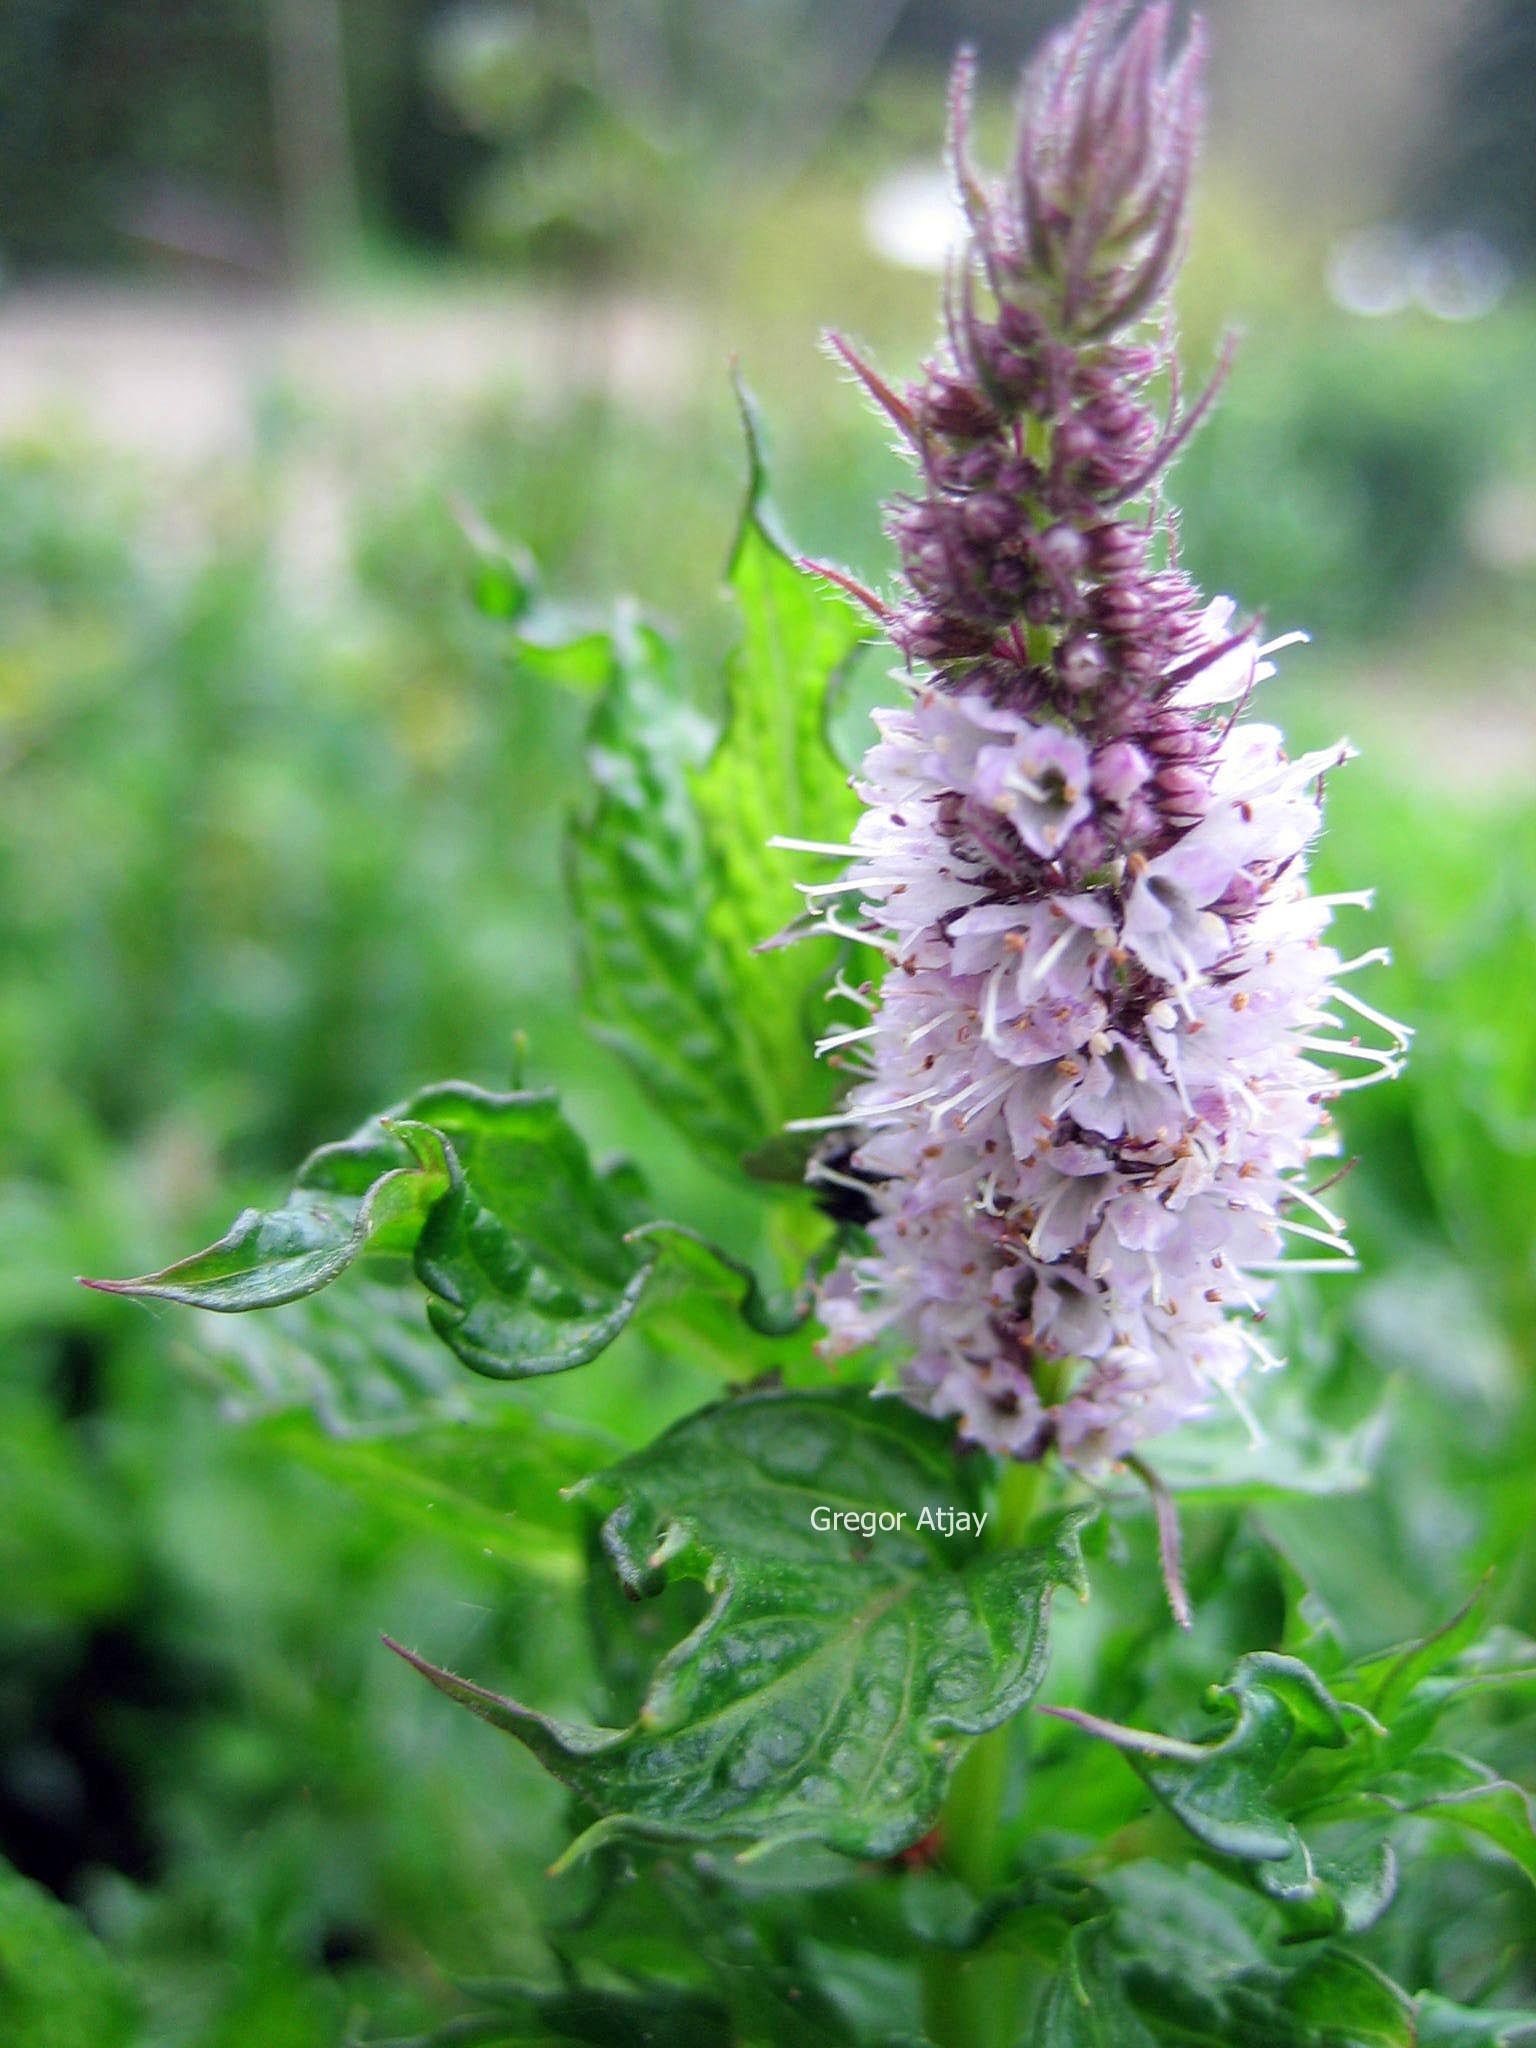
{"points": [[834, 1681]]}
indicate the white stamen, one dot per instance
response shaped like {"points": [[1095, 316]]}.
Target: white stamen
{"points": [[1052, 954], [782, 845], [846, 887], [1297, 1193], [1284, 1266], [1345, 1050], [989, 1004], [1345, 899], [1341, 1087], [1279, 646], [1269, 1361], [1250, 1422], [826, 1045], [1330, 1238], [1378, 956], [939, 1017], [1400, 1034], [835, 930]]}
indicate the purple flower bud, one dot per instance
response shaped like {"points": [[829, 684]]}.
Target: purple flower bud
{"points": [[989, 517], [1081, 662], [1061, 551], [1086, 849], [1173, 736], [1116, 549], [1119, 770], [1009, 578], [1119, 607], [1139, 823], [949, 406], [1183, 791]]}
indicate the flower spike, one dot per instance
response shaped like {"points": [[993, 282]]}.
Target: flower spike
{"points": [[1086, 1108]]}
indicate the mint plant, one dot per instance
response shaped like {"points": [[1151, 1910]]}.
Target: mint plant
{"points": [[1025, 1218]]}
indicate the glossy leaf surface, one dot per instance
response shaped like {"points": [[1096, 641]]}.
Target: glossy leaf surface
{"points": [[828, 1691], [532, 1260]]}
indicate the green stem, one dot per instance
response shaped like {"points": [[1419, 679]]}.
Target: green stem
{"points": [[972, 1999]]}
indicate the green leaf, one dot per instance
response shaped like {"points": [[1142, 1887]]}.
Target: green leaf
{"points": [[828, 1692], [1400, 1670], [1197, 1962], [1298, 1790], [1443, 2025], [369, 1193], [1087, 2006], [1441, 1786], [361, 1359], [533, 1262], [491, 1486], [1340, 1997], [59, 1988], [698, 1271], [671, 873], [774, 773], [1225, 1790], [666, 1919], [654, 985], [505, 579], [526, 1253]]}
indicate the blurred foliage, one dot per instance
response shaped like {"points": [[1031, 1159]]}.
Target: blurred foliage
{"points": [[627, 136], [1373, 444], [1482, 167]]}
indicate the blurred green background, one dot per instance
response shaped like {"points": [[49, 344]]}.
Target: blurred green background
{"points": [[287, 284]]}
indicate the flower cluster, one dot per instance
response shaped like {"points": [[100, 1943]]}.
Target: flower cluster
{"points": [[1087, 1103]]}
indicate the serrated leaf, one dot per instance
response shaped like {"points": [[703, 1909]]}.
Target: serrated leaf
{"points": [[774, 773], [699, 1272], [1413, 1686], [653, 984], [827, 1693], [369, 1193], [1225, 1790], [1399, 1670], [59, 1988], [671, 873]]}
